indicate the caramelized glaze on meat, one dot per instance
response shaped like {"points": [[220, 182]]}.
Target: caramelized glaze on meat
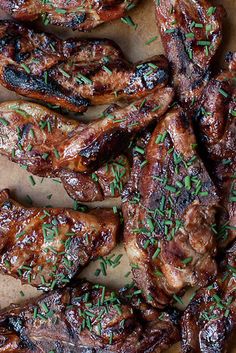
{"points": [[73, 73], [81, 15], [87, 318], [103, 138], [216, 130], [191, 32], [210, 318], [46, 247], [31, 134], [169, 206]]}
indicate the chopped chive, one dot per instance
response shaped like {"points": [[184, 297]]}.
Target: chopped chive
{"points": [[225, 94], [4, 121], [187, 260], [32, 181], [151, 40], [26, 68]]}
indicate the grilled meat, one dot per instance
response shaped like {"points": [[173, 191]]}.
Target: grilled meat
{"points": [[47, 247], [104, 138], [73, 73], [87, 318], [51, 145], [210, 318], [169, 206], [82, 15], [216, 130], [106, 182], [30, 135], [191, 32]]}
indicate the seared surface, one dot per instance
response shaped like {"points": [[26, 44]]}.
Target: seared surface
{"points": [[216, 130], [47, 247], [50, 145], [73, 73], [30, 135], [83, 15], [210, 318], [191, 32], [106, 182], [169, 207], [112, 134], [88, 318]]}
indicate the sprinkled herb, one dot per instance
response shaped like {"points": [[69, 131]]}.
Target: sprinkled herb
{"points": [[26, 68], [105, 68], [32, 181], [211, 11], [151, 40], [4, 122], [128, 21], [187, 260], [19, 235], [178, 299], [225, 94]]}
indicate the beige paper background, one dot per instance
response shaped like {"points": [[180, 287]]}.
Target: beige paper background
{"points": [[16, 179]]}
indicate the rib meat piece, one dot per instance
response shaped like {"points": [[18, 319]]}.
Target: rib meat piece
{"points": [[169, 206], [82, 15], [44, 141], [47, 143], [30, 135], [46, 247], [73, 73], [87, 318], [191, 32], [107, 181], [215, 126], [210, 318], [86, 151]]}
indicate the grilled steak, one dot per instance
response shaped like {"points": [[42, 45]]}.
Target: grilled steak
{"points": [[87, 318], [169, 206], [210, 318], [191, 32], [82, 15], [73, 73], [216, 130], [47, 247], [30, 135]]}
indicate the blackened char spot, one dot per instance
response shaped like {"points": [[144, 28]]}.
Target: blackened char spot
{"points": [[174, 314], [24, 132], [198, 75], [184, 200], [7, 205], [25, 82], [149, 81], [77, 20], [16, 324], [105, 147]]}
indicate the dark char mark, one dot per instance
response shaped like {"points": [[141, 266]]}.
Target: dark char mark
{"points": [[149, 81], [104, 148], [24, 82], [77, 20]]}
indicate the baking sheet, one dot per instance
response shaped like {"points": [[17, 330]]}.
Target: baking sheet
{"points": [[133, 43]]}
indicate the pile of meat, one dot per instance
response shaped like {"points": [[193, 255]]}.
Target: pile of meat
{"points": [[166, 144]]}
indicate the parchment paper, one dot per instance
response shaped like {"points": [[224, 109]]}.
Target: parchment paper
{"points": [[16, 179]]}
